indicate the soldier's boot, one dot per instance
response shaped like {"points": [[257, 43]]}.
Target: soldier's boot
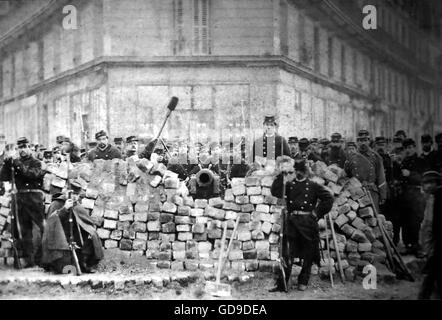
{"points": [[28, 253]]}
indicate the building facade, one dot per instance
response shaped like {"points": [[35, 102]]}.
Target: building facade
{"points": [[229, 62]]}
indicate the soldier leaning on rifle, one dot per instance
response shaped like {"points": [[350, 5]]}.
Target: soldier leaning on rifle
{"points": [[29, 174], [301, 227], [366, 165], [431, 235], [104, 150], [56, 237], [412, 200]]}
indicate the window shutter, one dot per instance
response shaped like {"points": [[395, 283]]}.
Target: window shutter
{"points": [[178, 45], [201, 36]]}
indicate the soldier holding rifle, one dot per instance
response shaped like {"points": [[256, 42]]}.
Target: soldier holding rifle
{"points": [[28, 175], [301, 196]]}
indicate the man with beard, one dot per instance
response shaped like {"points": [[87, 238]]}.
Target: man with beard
{"points": [[413, 203], [351, 149], [336, 154], [325, 148], [104, 150], [132, 147], [301, 227], [294, 147], [119, 144], [380, 146], [428, 153], [367, 167], [270, 145], [430, 236], [57, 234], [28, 174]]}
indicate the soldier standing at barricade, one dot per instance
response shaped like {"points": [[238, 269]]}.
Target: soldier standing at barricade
{"points": [[119, 144], [301, 228], [351, 149], [29, 174], [104, 149], [132, 147], [325, 148], [428, 153], [271, 145], [294, 147], [366, 165], [413, 203], [336, 154]]}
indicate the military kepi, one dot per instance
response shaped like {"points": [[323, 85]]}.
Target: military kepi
{"points": [[131, 138], [22, 141], [270, 119], [100, 134]]}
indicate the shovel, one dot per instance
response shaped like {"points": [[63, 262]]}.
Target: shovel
{"points": [[218, 289]]}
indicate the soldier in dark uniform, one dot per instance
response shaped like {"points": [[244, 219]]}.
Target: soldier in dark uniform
{"points": [[59, 141], [2, 159], [428, 153], [294, 146], [325, 148], [412, 200], [104, 149], [303, 211], [336, 154], [29, 174], [380, 146], [351, 149], [367, 166], [437, 166], [400, 134], [132, 147], [56, 237], [119, 144], [393, 205], [305, 152], [271, 145], [69, 149]]}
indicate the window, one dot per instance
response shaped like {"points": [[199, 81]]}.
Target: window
{"points": [[201, 34], [343, 76], [178, 45], [330, 57], [316, 49]]}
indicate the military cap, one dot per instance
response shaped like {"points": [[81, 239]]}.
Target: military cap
{"points": [[58, 196], [293, 140], [300, 165], [42, 148], [314, 140], [397, 140], [92, 144], [426, 138], [130, 139], [270, 119], [22, 140], [76, 185], [100, 134], [351, 144], [336, 137], [438, 137], [408, 142], [118, 140], [380, 140], [304, 142], [59, 139], [431, 176], [399, 133], [324, 141], [363, 133]]}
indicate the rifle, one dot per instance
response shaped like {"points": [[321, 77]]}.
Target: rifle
{"points": [[395, 262], [15, 222], [338, 255], [329, 255], [72, 245], [281, 262]]}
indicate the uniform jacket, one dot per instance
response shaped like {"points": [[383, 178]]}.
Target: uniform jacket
{"points": [[368, 169], [304, 196], [416, 166], [334, 156], [28, 172], [109, 153], [270, 147]]}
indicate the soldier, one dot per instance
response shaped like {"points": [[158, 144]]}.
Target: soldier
{"points": [[428, 153], [324, 144], [271, 145], [400, 134], [413, 203], [336, 154], [69, 149], [104, 149], [352, 148], [393, 205], [366, 165], [59, 141], [119, 144], [301, 230], [30, 209], [294, 147], [55, 242], [431, 235], [380, 146], [305, 151], [132, 147]]}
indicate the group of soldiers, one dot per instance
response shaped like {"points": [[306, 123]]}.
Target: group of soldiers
{"points": [[392, 170]]}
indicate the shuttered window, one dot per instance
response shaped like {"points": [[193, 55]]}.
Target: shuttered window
{"points": [[178, 25], [201, 27]]}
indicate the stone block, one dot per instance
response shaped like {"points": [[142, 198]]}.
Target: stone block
{"points": [[116, 234], [109, 224], [110, 244], [216, 202], [102, 233], [183, 220], [184, 236], [138, 226], [252, 181], [242, 199], [263, 208], [184, 210], [344, 209], [231, 206], [140, 216], [359, 224], [196, 212], [253, 191], [247, 207], [153, 216], [169, 207], [168, 227], [166, 217], [238, 190], [153, 226], [257, 235], [266, 227], [214, 213], [126, 217], [201, 203], [273, 238], [341, 220], [366, 212], [139, 244], [351, 215], [256, 199], [126, 244]]}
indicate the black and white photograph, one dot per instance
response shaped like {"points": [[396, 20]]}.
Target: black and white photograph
{"points": [[221, 151]]}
